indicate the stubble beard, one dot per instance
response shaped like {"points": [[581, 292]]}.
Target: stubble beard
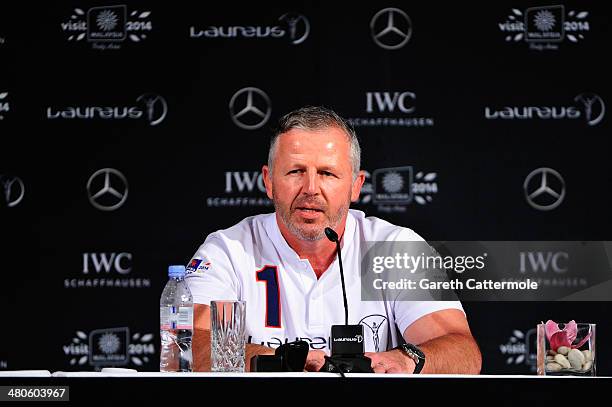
{"points": [[310, 234]]}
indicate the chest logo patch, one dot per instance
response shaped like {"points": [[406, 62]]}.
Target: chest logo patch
{"points": [[372, 326]]}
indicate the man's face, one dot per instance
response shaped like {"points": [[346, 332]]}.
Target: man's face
{"points": [[312, 181]]}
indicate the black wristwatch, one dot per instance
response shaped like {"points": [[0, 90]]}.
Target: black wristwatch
{"points": [[415, 354]]}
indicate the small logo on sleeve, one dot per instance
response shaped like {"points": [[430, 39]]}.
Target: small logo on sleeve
{"points": [[198, 266]]}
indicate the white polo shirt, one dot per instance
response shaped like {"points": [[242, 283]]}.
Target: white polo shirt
{"points": [[285, 301]]}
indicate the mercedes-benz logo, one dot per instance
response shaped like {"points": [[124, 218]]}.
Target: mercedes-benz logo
{"points": [[594, 107], [13, 190], [292, 21], [250, 116], [156, 107], [391, 28], [107, 189], [544, 189]]}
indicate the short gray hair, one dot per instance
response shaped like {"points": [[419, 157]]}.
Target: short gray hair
{"points": [[316, 118]]}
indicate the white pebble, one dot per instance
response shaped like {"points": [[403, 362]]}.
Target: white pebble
{"points": [[550, 358], [576, 358], [587, 366], [588, 355], [564, 350], [562, 360], [553, 367]]}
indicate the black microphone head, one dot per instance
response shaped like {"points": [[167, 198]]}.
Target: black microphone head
{"points": [[331, 234]]}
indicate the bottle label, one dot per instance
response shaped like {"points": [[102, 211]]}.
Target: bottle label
{"points": [[185, 318], [176, 317], [165, 321]]}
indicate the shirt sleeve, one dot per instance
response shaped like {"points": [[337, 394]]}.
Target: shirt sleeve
{"points": [[407, 312], [210, 273]]}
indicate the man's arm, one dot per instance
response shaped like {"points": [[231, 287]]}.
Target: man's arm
{"points": [[445, 338], [201, 342]]}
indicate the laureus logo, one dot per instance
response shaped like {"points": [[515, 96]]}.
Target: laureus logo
{"points": [[588, 106], [151, 107], [298, 27], [156, 107], [13, 190], [374, 323], [594, 107], [295, 27]]}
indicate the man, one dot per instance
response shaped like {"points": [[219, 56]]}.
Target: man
{"points": [[286, 270]]}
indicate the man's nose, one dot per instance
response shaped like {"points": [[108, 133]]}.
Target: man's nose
{"points": [[311, 183]]}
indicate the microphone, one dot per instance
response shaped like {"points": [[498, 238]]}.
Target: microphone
{"points": [[347, 345], [333, 237]]}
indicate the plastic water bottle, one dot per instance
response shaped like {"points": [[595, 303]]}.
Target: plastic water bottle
{"points": [[176, 323]]}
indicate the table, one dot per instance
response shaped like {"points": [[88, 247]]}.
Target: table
{"points": [[490, 390]]}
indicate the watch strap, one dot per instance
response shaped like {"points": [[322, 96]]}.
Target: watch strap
{"points": [[414, 353]]}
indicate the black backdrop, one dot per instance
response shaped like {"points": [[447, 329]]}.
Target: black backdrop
{"points": [[182, 167]]}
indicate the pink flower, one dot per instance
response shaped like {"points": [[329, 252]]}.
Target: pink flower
{"points": [[563, 337]]}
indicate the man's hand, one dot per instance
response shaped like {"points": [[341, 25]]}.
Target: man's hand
{"points": [[314, 360], [392, 361]]}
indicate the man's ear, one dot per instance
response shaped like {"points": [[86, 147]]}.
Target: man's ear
{"points": [[357, 184], [267, 178]]}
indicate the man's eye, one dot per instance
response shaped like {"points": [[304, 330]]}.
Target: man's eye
{"points": [[327, 173], [294, 171]]}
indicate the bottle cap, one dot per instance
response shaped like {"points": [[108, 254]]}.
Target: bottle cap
{"points": [[176, 271]]}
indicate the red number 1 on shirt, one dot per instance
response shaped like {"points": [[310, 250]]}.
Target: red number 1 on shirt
{"points": [[269, 275]]}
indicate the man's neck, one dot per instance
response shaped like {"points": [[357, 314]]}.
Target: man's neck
{"points": [[320, 253]]}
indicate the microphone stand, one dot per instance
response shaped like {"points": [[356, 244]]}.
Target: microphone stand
{"points": [[347, 345]]}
